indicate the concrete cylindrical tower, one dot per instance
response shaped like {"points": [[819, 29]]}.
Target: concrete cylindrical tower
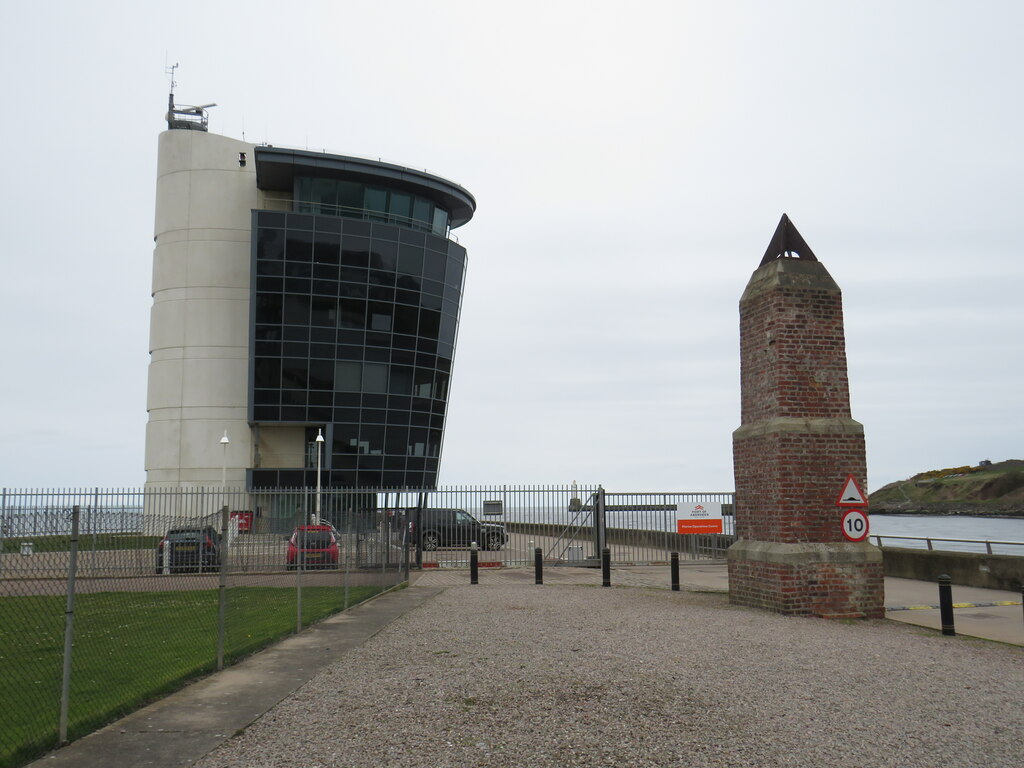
{"points": [[199, 327]]}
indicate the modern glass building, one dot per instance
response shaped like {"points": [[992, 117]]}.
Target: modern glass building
{"points": [[298, 293]]}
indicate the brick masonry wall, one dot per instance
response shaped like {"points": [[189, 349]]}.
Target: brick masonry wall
{"points": [[796, 445]]}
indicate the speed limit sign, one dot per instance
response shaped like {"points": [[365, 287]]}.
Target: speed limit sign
{"points": [[855, 525]]}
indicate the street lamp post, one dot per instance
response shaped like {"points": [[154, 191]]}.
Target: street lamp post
{"points": [[224, 464], [319, 444]]}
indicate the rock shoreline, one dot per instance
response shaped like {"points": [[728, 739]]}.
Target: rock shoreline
{"points": [[951, 508]]}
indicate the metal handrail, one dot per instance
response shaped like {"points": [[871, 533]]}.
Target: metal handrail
{"points": [[929, 539]]}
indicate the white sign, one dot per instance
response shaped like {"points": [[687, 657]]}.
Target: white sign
{"points": [[702, 517], [851, 495], [855, 525]]}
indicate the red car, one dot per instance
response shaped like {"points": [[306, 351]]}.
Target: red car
{"points": [[312, 546]]}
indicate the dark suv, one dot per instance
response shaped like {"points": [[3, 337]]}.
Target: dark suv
{"points": [[457, 528], [191, 549]]}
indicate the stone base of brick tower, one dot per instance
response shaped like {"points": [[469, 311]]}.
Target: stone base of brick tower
{"points": [[831, 580]]}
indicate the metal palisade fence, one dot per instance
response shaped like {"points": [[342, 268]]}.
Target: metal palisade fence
{"points": [[110, 598]]}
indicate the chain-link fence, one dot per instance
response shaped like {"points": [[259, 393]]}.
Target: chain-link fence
{"points": [[109, 599]]}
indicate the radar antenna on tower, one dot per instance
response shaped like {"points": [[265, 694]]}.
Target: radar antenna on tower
{"points": [[183, 116]]}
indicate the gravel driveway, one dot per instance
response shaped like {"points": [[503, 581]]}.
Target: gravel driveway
{"points": [[533, 676]]}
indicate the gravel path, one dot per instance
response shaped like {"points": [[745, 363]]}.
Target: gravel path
{"points": [[531, 677]]}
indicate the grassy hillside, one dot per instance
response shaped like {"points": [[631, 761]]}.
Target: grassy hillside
{"points": [[993, 489]]}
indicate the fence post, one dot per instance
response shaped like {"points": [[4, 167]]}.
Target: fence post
{"points": [[946, 605], [599, 523], [474, 565], [538, 566], [69, 629], [222, 597], [675, 571], [606, 567]]}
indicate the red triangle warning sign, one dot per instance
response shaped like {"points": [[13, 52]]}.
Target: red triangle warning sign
{"points": [[852, 495]]}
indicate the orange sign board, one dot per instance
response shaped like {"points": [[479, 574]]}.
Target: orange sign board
{"points": [[699, 526]]}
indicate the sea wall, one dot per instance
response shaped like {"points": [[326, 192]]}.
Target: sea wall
{"points": [[968, 569]]}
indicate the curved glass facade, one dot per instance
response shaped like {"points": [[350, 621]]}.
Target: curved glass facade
{"points": [[353, 332]]}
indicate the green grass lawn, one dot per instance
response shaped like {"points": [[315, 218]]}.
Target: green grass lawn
{"points": [[129, 648]]}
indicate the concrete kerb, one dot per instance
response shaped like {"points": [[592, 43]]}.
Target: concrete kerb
{"points": [[184, 726]]}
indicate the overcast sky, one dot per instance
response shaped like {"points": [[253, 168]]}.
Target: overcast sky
{"points": [[630, 162]]}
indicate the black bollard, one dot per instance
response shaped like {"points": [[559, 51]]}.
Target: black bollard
{"points": [[606, 567], [474, 565], [675, 571], [946, 605], [538, 566]]}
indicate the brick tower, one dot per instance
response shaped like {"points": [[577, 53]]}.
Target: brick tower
{"points": [[796, 446]]}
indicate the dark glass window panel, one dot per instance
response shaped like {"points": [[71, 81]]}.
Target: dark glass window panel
{"points": [[400, 206], [446, 334], [368, 478], [294, 373], [351, 336], [349, 400], [345, 458], [298, 269], [444, 364], [270, 332], [415, 463], [380, 277], [412, 237], [296, 310], [379, 315], [426, 345], [433, 288], [322, 336], [352, 290], [299, 246], [424, 360], [349, 195], [327, 272], [434, 265], [318, 413], [392, 479], [434, 439], [371, 440], [267, 372], [355, 250], [384, 255], [293, 397], [274, 268], [403, 342], [348, 376], [269, 396], [269, 284], [271, 219], [375, 401], [356, 226], [407, 297], [268, 308], [423, 382], [382, 293], [441, 386], [268, 348], [299, 221], [295, 348], [323, 311], [329, 224], [266, 413], [353, 275], [342, 415], [351, 313], [377, 339], [417, 442], [430, 465], [321, 374], [419, 418], [450, 307], [422, 210], [384, 232], [454, 274], [375, 377], [348, 352], [375, 200], [270, 245], [440, 224], [452, 294], [344, 478], [395, 461], [323, 398], [410, 260], [326, 248], [291, 478], [430, 301], [437, 420], [377, 355], [297, 285], [406, 319], [401, 380], [398, 409], [321, 351], [445, 350], [434, 243], [430, 323], [402, 357], [374, 416]]}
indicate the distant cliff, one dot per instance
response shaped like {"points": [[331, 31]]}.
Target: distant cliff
{"points": [[987, 489]]}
